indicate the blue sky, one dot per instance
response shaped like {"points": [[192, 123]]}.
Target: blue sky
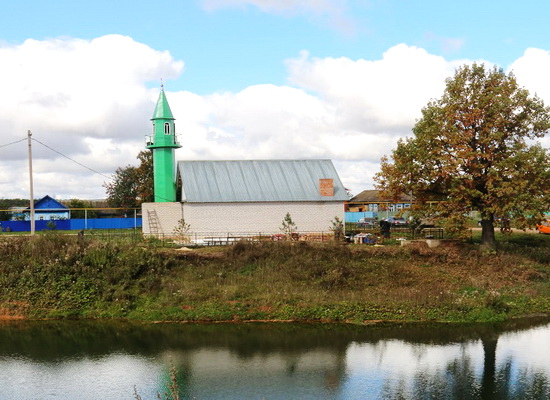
{"points": [[233, 46], [329, 77]]}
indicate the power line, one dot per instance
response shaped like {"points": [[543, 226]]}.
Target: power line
{"points": [[9, 144], [69, 158]]}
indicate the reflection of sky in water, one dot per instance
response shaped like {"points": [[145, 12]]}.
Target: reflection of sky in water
{"points": [[529, 349], [371, 367], [111, 377], [363, 370], [527, 354], [220, 374]]}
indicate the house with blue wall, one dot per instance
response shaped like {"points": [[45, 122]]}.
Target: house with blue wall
{"points": [[370, 204], [47, 209]]}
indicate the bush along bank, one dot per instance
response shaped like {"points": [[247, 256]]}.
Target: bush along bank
{"points": [[56, 276]]}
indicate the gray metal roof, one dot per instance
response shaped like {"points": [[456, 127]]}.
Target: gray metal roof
{"points": [[257, 181]]}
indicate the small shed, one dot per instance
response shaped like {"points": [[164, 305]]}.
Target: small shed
{"points": [[47, 209]]}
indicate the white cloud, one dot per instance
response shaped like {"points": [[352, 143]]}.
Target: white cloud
{"points": [[68, 84], [381, 96], [89, 100], [351, 111], [531, 71], [70, 92]]}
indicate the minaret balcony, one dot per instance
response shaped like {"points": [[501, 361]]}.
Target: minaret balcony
{"points": [[170, 141]]}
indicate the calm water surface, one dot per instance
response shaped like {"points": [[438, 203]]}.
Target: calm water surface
{"points": [[107, 360]]}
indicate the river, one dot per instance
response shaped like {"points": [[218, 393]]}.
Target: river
{"points": [[114, 360]]}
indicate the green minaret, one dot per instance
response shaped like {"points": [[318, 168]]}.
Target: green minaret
{"points": [[162, 144]]}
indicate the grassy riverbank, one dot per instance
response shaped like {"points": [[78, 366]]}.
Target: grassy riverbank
{"points": [[53, 276]]}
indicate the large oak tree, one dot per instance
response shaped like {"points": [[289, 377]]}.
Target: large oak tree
{"points": [[474, 149]]}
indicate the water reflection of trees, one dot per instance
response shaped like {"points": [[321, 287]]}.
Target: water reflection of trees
{"points": [[525, 385], [458, 380], [44, 340], [47, 341]]}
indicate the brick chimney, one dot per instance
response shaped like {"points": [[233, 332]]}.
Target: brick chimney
{"points": [[326, 187]]}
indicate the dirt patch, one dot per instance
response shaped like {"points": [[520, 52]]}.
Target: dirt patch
{"points": [[13, 310]]}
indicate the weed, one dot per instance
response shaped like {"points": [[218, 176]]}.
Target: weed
{"points": [[288, 227], [181, 231], [173, 389], [337, 228], [58, 276]]}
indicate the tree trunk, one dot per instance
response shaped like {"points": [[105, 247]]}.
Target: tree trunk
{"points": [[488, 384], [488, 231]]}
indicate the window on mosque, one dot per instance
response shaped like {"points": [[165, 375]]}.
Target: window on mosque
{"points": [[166, 128]]}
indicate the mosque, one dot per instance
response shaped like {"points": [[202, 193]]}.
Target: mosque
{"points": [[236, 198]]}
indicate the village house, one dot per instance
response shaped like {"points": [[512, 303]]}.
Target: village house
{"points": [[370, 200], [45, 209]]}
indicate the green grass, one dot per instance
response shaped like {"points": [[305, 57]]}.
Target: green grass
{"points": [[57, 276]]}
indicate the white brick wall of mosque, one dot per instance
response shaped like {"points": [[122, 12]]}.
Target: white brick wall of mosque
{"points": [[234, 218]]}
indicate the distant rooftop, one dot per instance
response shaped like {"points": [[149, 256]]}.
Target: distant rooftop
{"points": [[373, 196]]}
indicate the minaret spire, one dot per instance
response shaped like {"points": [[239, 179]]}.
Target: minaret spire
{"points": [[163, 145]]}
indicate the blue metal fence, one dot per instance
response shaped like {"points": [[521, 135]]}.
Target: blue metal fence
{"points": [[73, 224]]}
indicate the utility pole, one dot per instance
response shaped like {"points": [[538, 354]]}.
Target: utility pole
{"points": [[29, 134]]}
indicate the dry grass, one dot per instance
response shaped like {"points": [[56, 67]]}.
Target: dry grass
{"points": [[273, 280], [270, 275]]}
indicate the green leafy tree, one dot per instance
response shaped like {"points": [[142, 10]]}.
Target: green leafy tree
{"points": [[122, 190], [5, 205], [5, 215], [131, 185], [144, 174], [77, 207], [473, 149]]}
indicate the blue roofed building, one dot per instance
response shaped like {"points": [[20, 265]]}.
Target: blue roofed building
{"points": [[47, 209]]}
